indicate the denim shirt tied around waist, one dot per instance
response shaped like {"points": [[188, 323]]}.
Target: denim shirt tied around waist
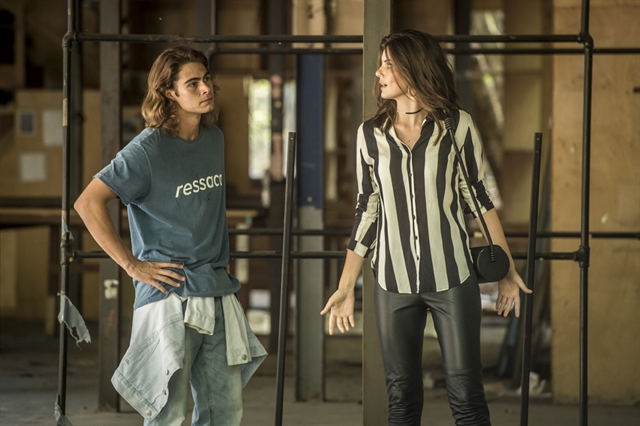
{"points": [[156, 350]]}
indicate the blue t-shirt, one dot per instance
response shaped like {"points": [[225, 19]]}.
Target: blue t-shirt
{"points": [[174, 191]]}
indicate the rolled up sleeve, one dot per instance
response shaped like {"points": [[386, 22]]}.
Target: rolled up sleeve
{"points": [[472, 156]]}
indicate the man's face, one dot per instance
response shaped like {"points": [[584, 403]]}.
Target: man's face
{"points": [[193, 90]]}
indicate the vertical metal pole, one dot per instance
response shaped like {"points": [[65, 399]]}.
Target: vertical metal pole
{"points": [[531, 265], [276, 15], [284, 279], [74, 287], [65, 244], [309, 336], [584, 230]]}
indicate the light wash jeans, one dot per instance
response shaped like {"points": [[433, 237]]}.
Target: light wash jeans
{"points": [[216, 386]]}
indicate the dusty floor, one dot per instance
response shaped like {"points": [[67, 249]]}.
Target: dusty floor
{"points": [[29, 377]]}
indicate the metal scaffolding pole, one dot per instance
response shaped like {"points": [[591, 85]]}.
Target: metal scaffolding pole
{"points": [[284, 278], [65, 244], [584, 249], [531, 264]]}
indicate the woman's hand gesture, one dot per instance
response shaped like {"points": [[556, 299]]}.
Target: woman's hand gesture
{"points": [[341, 305], [509, 293]]}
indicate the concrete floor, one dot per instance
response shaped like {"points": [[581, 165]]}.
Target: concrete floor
{"points": [[29, 374]]}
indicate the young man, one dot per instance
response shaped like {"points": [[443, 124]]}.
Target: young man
{"points": [[188, 327]]}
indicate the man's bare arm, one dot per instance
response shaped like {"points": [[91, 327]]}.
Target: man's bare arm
{"points": [[91, 205]]}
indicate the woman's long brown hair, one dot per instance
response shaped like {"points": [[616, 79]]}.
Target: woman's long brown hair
{"points": [[158, 110], [421, 63]]}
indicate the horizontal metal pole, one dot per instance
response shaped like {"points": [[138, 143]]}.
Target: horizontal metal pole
{"points": [[287, 51], [542, 51], [93, 254], [169, 38], [178, 38], [299, 232], [347, 232], [294, 254], [280, 39], [97, 254], [505, 38], [576, 234], [455, 51], [548, 256], [31, 202]]}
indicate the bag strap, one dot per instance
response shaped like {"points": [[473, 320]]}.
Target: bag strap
{"points": [[450, 125]]}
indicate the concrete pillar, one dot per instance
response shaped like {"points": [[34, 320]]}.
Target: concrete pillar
{"points": [[377, 24], [309, 336]]}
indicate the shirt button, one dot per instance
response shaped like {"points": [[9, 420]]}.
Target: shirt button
{"points": [[164, 392], [166, 372], [244, 357], [147, 413]]}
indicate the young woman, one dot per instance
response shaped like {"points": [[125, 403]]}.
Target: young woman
{"points": [[410, 215]]}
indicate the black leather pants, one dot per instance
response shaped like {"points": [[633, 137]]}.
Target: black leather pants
{"points": [[401, 319]]}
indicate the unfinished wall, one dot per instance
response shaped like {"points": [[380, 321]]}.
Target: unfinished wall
{"points": [[31, 166], [614, 288]]}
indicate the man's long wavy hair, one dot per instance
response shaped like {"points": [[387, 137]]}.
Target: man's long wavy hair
{"points": [[421, 63], [157, 109]]}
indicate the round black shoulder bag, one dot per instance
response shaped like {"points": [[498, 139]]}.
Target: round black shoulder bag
{"points": [[490, 262]]}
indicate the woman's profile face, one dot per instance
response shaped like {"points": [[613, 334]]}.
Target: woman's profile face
{"points": [[391, 84]]}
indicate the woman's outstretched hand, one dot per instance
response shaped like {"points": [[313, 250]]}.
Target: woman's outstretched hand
{"points": [[341, 305], [509, 293]]}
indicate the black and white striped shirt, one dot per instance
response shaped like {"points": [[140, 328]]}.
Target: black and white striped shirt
{"points": [[411, 204]]}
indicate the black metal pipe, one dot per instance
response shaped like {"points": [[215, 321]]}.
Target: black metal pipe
{"points": [[531, 264], [577, 234], [571, 255], [179, 38], [541, 51], [311, 39], [329, 254], [463, 39], [266, 254], [584, 218], [455, 51], [287, 51], [305, 232], [65, 244], [217, 38], [284, 287]]}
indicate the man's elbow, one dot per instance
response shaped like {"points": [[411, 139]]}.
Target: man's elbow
{"points": [[78, 206], [81, 204]]}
